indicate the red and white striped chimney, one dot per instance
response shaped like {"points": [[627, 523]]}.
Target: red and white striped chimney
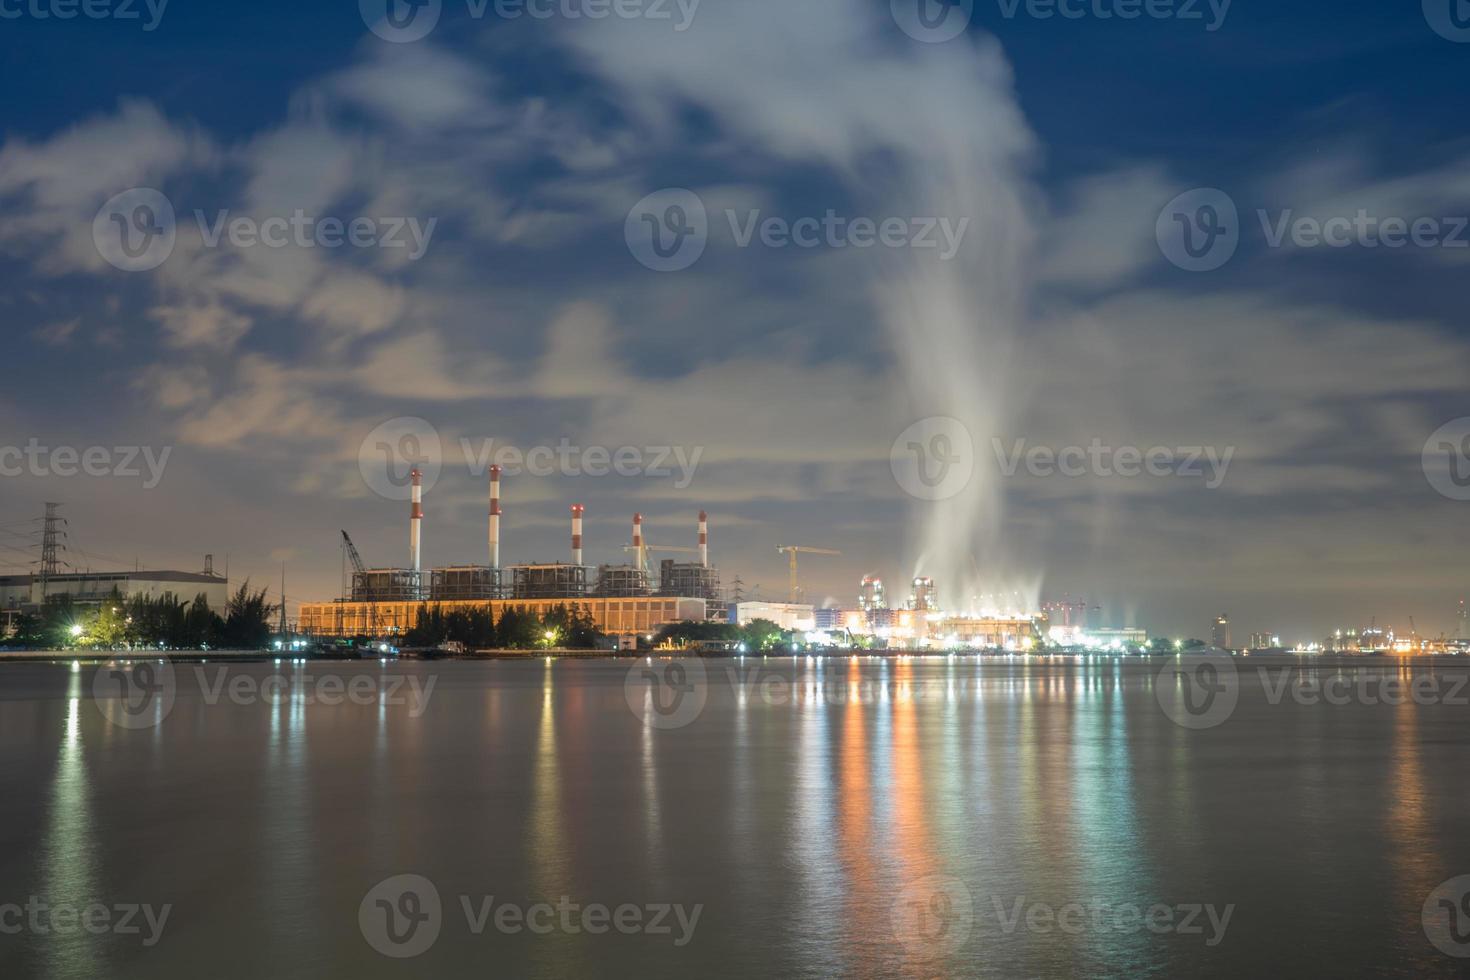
{"points": [[416, 520], [640, 555], [577, 533], [704, 539], [494, 517]]}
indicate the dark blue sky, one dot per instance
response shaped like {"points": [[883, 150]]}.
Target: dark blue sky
{"points": [[528, 321]]}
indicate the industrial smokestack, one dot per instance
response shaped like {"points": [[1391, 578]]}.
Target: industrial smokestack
{"points": [[577, 533], [704, 539], [640, 555], [494, 517], [416, 520]]}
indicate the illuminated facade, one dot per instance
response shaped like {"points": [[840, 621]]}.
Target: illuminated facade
{"points": [[618, 616]]}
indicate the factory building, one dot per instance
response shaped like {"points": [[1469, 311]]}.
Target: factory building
{"points": [[614, 616], [988, 632], [622, 599], [27, 593], [787, 615]]}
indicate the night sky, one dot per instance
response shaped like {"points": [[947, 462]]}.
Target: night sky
{"points": [[528, 319]]}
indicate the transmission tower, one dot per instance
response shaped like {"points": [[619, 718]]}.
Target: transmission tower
{"points": [[50, 561]]}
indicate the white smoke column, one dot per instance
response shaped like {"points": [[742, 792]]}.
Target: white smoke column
{"points": [[915, 130]]}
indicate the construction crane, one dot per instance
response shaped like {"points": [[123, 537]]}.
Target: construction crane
{"points": [[791, 551], [359, 575], [357, 566]]}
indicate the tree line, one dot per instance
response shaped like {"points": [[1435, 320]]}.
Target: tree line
{"points": [[518, 628], [163, 622]]}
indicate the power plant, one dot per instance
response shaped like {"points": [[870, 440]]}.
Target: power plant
{"points": [[622, 598], [637, 596]]}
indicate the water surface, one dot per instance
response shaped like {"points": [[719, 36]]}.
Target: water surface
{"points": [[826, 817]]}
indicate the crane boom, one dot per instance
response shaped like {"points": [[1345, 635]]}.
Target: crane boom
{"points": [[352, 555]]}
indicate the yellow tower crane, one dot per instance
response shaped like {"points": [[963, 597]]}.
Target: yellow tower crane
{"points": [[791, 551]]}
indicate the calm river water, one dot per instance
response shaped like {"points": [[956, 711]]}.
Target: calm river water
{"points": [[756, 817]]}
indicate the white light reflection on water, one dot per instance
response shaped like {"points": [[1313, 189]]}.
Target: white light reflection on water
{"points": [[69, 850], [290, 899], [820, 880]]}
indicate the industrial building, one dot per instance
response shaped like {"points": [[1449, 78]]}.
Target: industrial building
{"points": [[22, 594], [787, 615], [614, 616], [623, 599], [28, 593]]}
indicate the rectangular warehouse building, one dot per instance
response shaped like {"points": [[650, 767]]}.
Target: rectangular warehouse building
{"points": [[29, 592], [616, 616]]}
